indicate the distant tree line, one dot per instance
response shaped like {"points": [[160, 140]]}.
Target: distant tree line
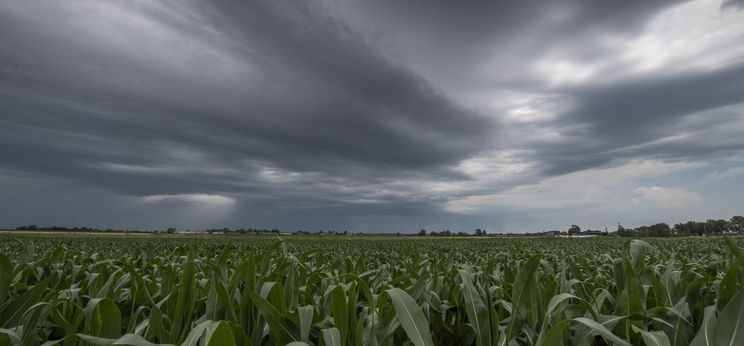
{"points": [[322, 232], [735, 225], [244, 230], [447, 233], [655, 230], [66, 229], [169, 230]]}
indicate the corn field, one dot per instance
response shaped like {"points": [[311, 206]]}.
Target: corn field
{"points": [[253, 290]]}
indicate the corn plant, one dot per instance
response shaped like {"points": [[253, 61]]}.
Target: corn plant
{"points": [[250, 290]]}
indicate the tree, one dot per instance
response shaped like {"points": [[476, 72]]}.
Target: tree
{"points": [[621, 230], [660, 230], [680, 230], [717, 226], [737, 224], [574, 230], [171, 230], [478, 232], [27, 228], [422, 232]]}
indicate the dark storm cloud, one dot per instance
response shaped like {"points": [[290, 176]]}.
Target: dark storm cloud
{"points": [[732, 4], [313, 98], [452, 42], [645, 103], [608, 118], [500, 43]]}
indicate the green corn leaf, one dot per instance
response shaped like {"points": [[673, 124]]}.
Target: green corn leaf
{"points": [[729, 328], [554, 336], [602, 331], [274, 293], [241, 338], [6, 278], [736, 250], [637, 250], [219, 334], [305, 314], [411, 318], [11, 337], [11, 315], [185, 302], [332, 337], [477, 313], [340, 312], [127, 339], [653, 338], [729, 285], [705, 335], [134, 340], [281, 327], [556, 300], [520, 295], [102, 318], [225, 301], [192, 339], [551, 337]]}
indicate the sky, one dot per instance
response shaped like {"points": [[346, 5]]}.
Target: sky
{"points": [[370, 116]]}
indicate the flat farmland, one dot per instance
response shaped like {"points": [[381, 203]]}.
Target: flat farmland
{"points": [[58, 289]]}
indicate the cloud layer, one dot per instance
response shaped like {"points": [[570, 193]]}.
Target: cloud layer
{"points": [[349, 115]]}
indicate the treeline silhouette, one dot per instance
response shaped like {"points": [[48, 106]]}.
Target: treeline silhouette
{"points": [[68, 229], [710, 227]]}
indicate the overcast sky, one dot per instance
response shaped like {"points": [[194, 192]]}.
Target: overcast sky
{"points": [[372, 116]]}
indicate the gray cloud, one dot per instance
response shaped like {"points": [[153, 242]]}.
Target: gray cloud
{"points": [[329, 112], [323, 100], [609, 118]]}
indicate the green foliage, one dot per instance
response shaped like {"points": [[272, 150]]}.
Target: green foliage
{"points": [[171, 290], [410, 316], [574, 229]]}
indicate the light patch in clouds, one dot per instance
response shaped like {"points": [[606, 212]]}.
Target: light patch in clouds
{"points": [[665, 196], [277, 175], [593, 188], [695, 35], [565, 72], [195, 210], [729, 173], [198, 198], [127, 168], [499, 165]]}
